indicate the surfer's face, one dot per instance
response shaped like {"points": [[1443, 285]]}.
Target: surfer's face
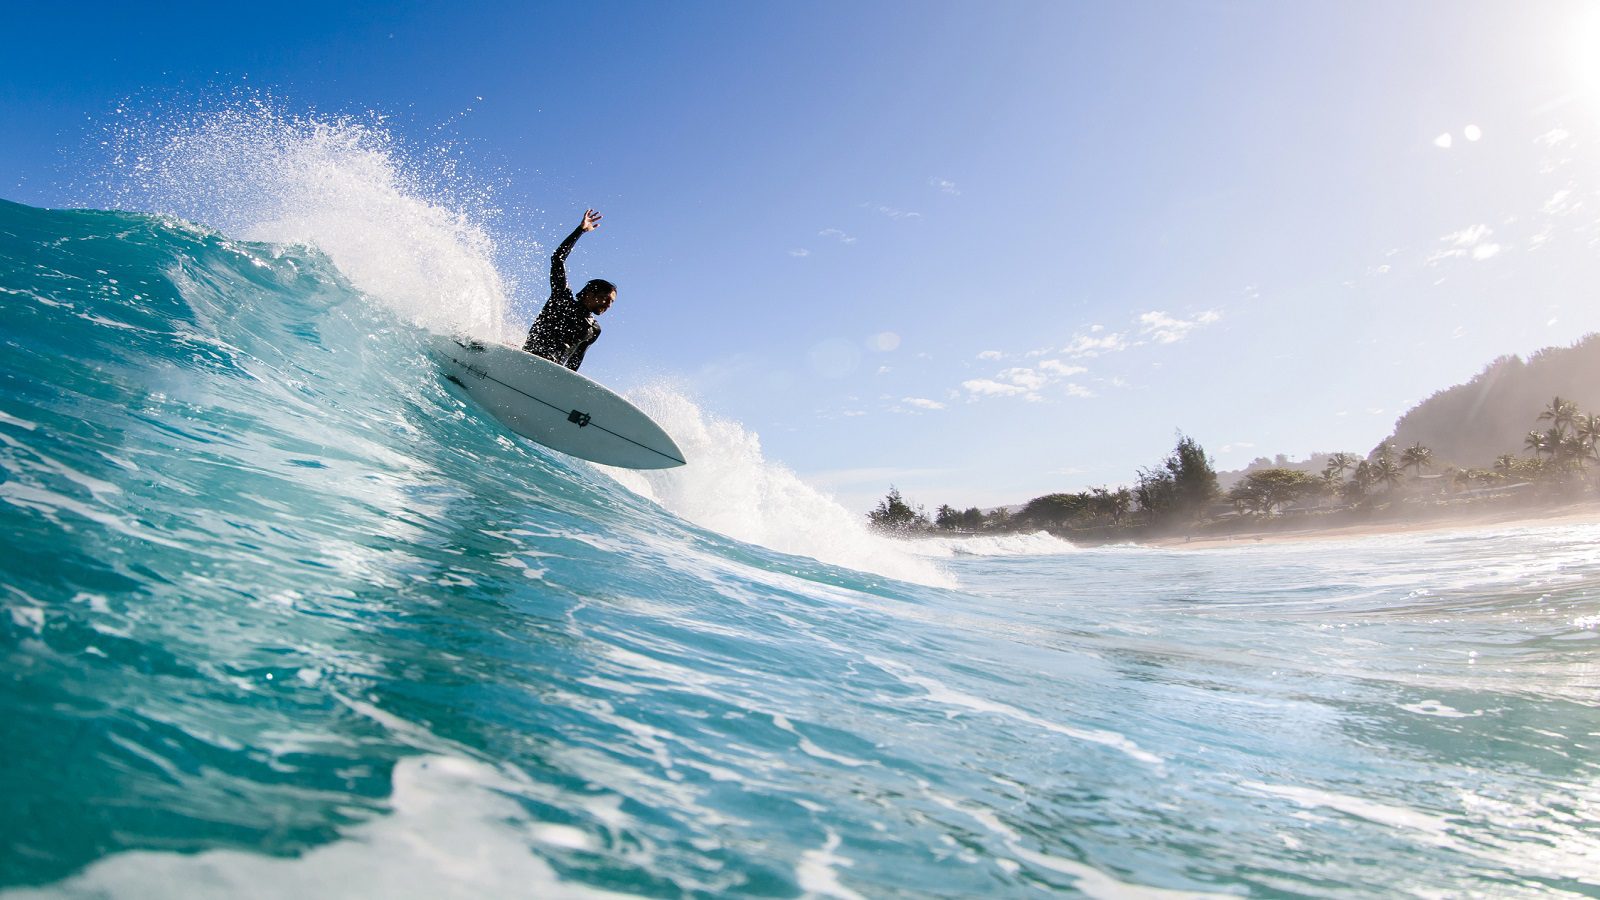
{"points": [[597, 302]]}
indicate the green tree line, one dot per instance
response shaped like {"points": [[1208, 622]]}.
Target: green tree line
{"points": [[1174, 491], [1183, 487]]}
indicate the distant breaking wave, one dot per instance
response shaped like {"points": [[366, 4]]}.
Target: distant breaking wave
{"points": [[1038, 543]]}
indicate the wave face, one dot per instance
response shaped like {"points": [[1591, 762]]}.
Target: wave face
{"points": [[282, 616]]}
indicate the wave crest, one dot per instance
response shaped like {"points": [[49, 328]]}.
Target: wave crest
{"points": [[413, 237]]}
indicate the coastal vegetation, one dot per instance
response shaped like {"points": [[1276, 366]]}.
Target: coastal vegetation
{"points": [[1174, 492], [1558, 462], [1471, 424]]}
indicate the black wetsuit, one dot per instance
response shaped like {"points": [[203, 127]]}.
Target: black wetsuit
{"points": [[564, 329]]}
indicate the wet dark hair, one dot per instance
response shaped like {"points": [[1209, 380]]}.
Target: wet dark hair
{"points": [[597, 287]]}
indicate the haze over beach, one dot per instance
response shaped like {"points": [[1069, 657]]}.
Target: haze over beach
{"points": [[293, 607], [980, 257]]}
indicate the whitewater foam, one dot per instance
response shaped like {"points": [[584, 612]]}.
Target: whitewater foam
{"points": [[413, 237], [731, 488], [1038, 543], [454, 831]]}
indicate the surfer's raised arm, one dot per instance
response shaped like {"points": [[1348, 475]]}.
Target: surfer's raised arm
{"points": [[558, 259]]}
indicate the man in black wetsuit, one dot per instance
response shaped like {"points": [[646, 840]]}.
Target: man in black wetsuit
{"points": [[565, 327]]}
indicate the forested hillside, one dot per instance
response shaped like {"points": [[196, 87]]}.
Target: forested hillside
{"points": [[1471, 424]]}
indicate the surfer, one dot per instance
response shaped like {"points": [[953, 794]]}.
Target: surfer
{"points": [[566, 327]]}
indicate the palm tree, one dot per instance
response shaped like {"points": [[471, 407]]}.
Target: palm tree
{"points": [[1384, 450], [1574, 449], [1386, 472], [1587, 428], [1355, 490], [1416, 457], [1362, 474], [1537, 443], [1505, 462], [1559, 413], [1557, 444], [1338, 464]]}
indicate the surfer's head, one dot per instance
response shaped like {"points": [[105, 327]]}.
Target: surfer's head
{"points": [[598, 295]]}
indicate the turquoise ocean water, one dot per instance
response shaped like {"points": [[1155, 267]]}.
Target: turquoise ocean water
{"points": [[285, 617]]}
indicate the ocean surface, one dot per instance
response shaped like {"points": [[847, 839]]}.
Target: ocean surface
{"points": [[284, 617]]}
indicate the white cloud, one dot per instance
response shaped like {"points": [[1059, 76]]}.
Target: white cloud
{"points": [[1553, 137], [1466, 237], [836, 233], [1085, 346], [1057, 367], [1443, 141], [1029, 384], [799, 252], [1030, 379], [989, 388], [1471, 241], [891, 212], [1036, 382], [1559, 204], [944, 184], [922, 403], [1166, 329]]}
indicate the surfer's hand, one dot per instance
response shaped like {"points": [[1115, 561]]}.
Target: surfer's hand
{"points": [[591, 220]]}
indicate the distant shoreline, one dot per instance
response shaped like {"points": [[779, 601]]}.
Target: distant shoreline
{"points": [[1381, 522], [1400, 515]]}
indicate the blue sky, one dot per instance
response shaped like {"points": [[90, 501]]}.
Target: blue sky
{"points": [[980, 252]]}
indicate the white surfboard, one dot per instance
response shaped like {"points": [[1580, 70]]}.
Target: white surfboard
{"points": [[554, 405]]}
